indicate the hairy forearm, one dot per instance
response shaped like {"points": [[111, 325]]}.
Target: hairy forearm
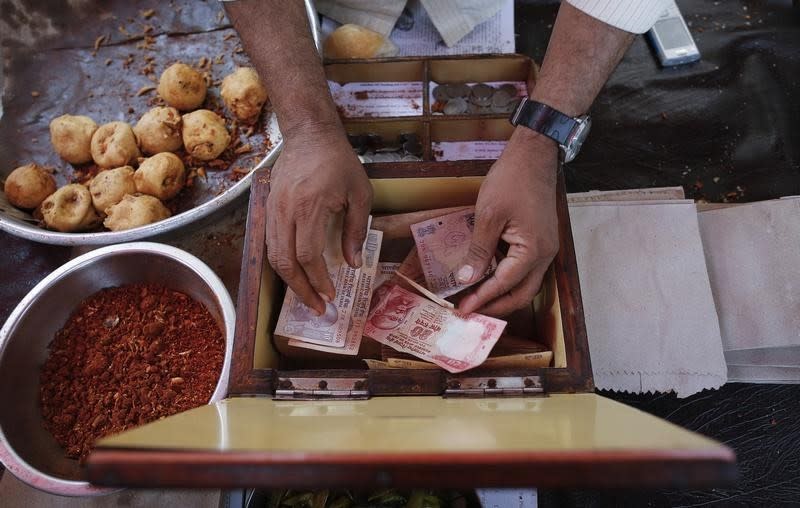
{"points": [[581, 55], [276, 36]]}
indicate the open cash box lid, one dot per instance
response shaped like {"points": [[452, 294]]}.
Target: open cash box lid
{"points": [[551, 440], [563, 440]]}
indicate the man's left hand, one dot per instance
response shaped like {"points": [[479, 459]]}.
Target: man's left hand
{"points": [[516, 204]]}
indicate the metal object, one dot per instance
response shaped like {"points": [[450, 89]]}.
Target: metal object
{"points": [[26, 448], [302, 388], [477, 387], [22, 224], [457, 106]]}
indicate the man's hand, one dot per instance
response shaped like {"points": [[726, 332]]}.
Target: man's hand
{"points": [[516, 204], [316, 177]]}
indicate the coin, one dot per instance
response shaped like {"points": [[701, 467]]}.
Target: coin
{"points": [[412, 146], [457, 106], [506, 108], [509, 89], [501, 98], [481, 94], [408, 136], [441, 93], [386, 157], [459, 90], [365, 159]]}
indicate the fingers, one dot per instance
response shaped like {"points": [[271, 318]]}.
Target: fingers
{"points": [[509, 273], [355, 228], [311, 236], [519, 297], [282, 257], [482, 247]]}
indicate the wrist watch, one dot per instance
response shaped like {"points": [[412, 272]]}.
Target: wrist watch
{"points": [[568, 132]]}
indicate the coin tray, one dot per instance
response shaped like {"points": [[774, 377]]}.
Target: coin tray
{"points": [[423, 74]]}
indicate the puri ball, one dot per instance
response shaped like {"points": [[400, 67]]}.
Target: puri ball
{"points": [[159, 130], [135, 211], [244, 94], [162, 176], [71, 137], [204, 134], [182, 87], [70, 209], [114, 145], [110, 186], [355, 41], [27, 186]]}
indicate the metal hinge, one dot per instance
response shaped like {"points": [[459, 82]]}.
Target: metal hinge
{"points": [[305, 388], [525, 386]]}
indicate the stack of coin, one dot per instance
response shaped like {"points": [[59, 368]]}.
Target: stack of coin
{"points": [[373, 148], [477, 99]]}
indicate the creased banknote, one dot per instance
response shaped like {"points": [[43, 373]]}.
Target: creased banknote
{"points": [[297, 321], [409, 275], [443, 243], [412, 324], [366, 283]]}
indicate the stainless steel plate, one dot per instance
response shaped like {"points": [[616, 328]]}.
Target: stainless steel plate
{"points": [[82, 78]]}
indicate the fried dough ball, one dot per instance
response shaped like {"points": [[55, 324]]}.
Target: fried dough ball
{"points": [[110, 186], [244, 94], [159, 130], [27, 186], [114, 145], [70, 209], [71, 137], [204, 134], [135, 211], [162, 176], [182, 87]]}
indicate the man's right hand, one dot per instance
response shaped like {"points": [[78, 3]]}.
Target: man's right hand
{"points": [[316, 177]]}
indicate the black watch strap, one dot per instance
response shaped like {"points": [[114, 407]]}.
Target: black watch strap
{"points": [[544, 119]]}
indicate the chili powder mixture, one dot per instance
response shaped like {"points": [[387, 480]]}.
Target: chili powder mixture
{"points": [[127, 356]]}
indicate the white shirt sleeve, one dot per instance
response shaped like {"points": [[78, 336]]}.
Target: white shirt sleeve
{"points": [[636, 16]]}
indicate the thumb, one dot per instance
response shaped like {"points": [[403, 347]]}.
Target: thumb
{"points": [[355, 231], [481, 249]]}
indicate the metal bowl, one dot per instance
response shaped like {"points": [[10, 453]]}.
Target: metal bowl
{"points": [[22, 224], [26, 448]]}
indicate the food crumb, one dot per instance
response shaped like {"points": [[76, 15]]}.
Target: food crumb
{"points": [[99, 42], [144, 90], [35, 94], [147, 14], [246, 148]]}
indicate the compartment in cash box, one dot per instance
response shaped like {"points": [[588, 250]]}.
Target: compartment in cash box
{"points": [[378, 89], [443, 137], [405, 87], [469, 138], [555, 319]]}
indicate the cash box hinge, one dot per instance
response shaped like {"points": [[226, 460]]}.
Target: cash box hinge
{"points": [[477, 387], [351, 388]]}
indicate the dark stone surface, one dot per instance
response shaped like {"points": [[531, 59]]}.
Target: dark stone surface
{"points": [[731, 116]]}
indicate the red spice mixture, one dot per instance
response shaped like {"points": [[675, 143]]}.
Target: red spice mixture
{"points": [[127, 356]]}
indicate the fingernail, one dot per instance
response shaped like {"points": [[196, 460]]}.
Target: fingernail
{"points": [[325, 297], [357, 259], [465, 274]]}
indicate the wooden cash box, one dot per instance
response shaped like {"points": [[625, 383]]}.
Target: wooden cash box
{"points": [[285, 425]]}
